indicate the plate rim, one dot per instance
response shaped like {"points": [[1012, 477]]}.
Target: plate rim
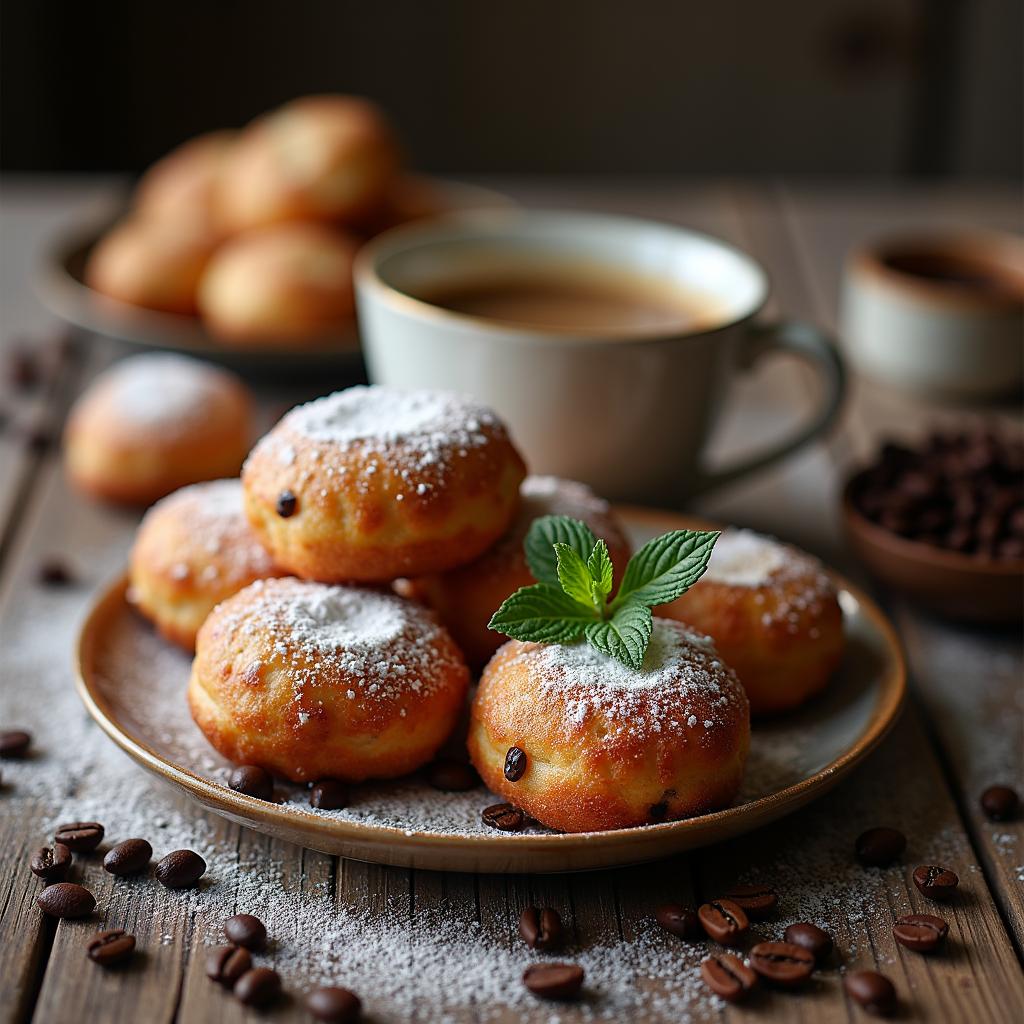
{"points": [[763, 810]]}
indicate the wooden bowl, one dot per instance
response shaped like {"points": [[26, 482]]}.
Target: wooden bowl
{"points": [[965, 587]]}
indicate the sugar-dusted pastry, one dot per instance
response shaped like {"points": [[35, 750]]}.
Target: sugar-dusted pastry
{"points": [[774, 615], [582, 742], [314, 681], [154, 423], [183, 185], [288, 282], [316, 158], [193, 549], [151, 263], [373, 483], [466, 597]]}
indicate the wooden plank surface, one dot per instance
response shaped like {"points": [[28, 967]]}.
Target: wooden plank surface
{"points": [[310, 898]]}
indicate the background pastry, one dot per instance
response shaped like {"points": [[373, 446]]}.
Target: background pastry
{"points": [[312, 681], [774, 615]]}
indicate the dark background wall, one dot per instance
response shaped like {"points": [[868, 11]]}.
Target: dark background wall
{"points": [[885, 87]]}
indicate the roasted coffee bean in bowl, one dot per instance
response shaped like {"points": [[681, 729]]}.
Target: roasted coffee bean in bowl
{"points": [[943, 522]]}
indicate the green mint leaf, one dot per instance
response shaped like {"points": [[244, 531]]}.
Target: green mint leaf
{"points": [[574, 576], [666, 567], [544, 533], [625, 635], [542, 613], [599, 564]]}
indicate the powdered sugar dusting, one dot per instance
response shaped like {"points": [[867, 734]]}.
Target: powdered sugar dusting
{"points": [[742, 558]]}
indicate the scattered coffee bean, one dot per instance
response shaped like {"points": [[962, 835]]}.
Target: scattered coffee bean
{"points": [[1000, 803], [541, 929], [54, 573], [554, 980], [180, 869], [728, 977], [815, 940], [936, 882], [286, 504], [226, 964], [329, 795], [334, 1005], [51, 862], [503, 817], [252, 780], [128, 857], [246, 930], [23, 370], [724, 921], [782, 963], [679, 920], [259, 986], [880, 846], [920, 932], [757, 900], [14, 744], [452, 776], [111, 947], [515, 764], [80, 836], [66, 899], [872, 990]]}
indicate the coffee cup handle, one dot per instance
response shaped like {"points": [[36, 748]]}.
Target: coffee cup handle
{"points": [[812, 345]]}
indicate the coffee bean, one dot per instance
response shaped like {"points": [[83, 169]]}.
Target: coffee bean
{"points": [[14, 744], [782, 963], [920, 932], [724, 921], [329, 795], [180, 869], [246, 930], [55, 573], [515, 764], [66, 899], [554, 980], [541, 929], [252, 780], [128, 857], [334, 1005], [679, 920], [935, 882], [880, 846], [23, 370], [51, 862], [1000, 803], [815, 940], [226, 964], [452, 776], [80, 836], [757, 900], [111, 947], [258, 987], [728, 977], [286, 504], [872, 990], [503, 817]]}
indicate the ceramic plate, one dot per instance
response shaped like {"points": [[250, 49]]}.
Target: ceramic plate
{"points": [[62, 287], [133, 683]]}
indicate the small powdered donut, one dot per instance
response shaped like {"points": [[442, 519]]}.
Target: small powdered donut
{"points": [[316, 158], [373, 483], [154, 423], [289, 282], [193, 549], [607, 746], [467, 597], [312, 681], [774, 615]]}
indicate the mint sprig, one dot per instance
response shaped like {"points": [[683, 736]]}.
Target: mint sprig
{"points": [[572, 598]]}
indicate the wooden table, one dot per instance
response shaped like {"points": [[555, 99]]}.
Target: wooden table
{"points": [[961, 731]]}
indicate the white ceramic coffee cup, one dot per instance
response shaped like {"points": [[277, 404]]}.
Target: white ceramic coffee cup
{"points": [[630, 415]]}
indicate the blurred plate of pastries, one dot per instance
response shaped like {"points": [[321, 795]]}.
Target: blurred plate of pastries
{"points": [[238, 245]]}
